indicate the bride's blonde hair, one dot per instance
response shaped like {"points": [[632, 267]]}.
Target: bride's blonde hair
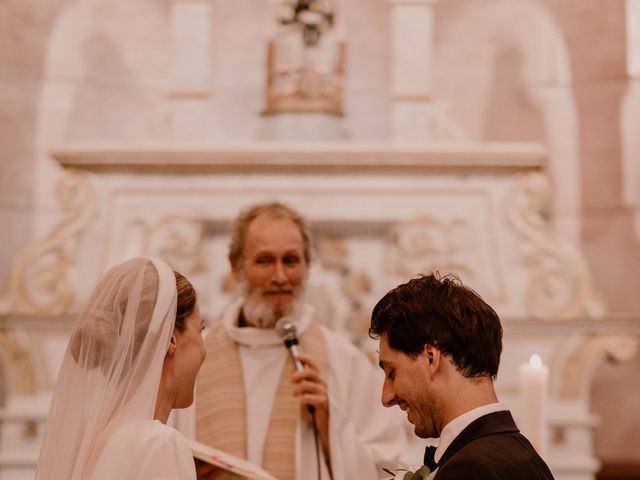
{"points": [[100, 323]]}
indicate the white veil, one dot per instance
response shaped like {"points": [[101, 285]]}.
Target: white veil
{"points": [[111, 370]]}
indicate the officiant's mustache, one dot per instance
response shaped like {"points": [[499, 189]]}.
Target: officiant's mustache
{"points": [[277, 290]]}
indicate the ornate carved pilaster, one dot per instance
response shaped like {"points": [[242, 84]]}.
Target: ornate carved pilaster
{"points": [[20, 374]]}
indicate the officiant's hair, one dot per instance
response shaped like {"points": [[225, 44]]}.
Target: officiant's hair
{"points": [[441, 311], [240, 227]]}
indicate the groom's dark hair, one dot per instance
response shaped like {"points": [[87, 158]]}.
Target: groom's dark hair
{"points": [[440, 311]]}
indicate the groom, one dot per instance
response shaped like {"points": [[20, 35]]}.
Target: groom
{"points": [[440, 346]]}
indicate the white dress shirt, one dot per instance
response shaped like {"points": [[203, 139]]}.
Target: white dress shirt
{"points": [[452, 429]]}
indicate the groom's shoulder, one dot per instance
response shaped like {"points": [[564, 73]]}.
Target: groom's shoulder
{"points": [[504, 455]]}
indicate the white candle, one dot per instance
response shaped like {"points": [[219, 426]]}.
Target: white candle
{"points": [[533, 402]]}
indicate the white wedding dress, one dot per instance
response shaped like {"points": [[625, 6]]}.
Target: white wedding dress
{"points": [[145, 450]]}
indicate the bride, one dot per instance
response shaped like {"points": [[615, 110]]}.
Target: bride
{"points": [[133, 355]]}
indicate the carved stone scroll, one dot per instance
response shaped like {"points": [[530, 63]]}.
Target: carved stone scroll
{"points": [[42, 275], [560, 284]]}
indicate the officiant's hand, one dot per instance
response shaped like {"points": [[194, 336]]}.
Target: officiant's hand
{"points": [[311, 389]]}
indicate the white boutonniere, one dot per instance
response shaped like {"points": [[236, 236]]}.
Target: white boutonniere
{"points": [[421, 473]]}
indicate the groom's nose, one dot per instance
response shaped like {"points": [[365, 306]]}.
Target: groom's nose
{"points": [[388, 395]]}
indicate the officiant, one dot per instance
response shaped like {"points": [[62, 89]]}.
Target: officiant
{"points": [[252, 402]]}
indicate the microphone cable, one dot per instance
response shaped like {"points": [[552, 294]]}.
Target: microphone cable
{"points": [[316, 436], [315, 440]]}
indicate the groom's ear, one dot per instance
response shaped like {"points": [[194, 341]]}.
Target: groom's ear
{"points": [[432, 356]]}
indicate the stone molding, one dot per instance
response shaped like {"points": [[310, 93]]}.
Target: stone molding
{"points": [[304, 158]]}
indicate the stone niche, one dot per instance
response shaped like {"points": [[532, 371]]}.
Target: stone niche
{"points": [[380, 213]]}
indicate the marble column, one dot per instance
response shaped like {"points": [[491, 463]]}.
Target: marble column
{"points": [[412, 32], [631, 114], [191, 71]]}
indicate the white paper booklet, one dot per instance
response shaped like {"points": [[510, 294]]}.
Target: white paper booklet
{"points": [[229, 462]]}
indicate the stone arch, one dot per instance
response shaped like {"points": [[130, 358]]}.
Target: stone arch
{"points": [[580, 356], [105, 78], [472, 41], [125, 55]]}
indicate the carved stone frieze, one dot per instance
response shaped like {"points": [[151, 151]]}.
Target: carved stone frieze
{"points": [[428, 244], [559, 281], [460, 243], [177, 239], [42, 275], [345, 288]]}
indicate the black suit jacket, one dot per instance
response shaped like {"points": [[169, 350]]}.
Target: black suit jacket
{"points": [[492, 448]]}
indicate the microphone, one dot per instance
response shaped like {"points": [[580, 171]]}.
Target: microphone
{"points": [[286, 329]]}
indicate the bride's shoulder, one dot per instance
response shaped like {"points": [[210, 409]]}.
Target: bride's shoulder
{"points": [[149, 429], [144, 449]]}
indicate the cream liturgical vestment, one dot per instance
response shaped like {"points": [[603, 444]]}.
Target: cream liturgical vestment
{"points": [[244, 403]]}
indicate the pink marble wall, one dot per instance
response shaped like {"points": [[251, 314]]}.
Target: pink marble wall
{"points": [[24, 32], [595, 33]]}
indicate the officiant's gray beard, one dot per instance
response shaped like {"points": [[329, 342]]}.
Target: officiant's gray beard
{"points": [[259, 313]]}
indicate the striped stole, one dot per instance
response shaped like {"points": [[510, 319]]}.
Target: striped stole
{"points": [[221, 407]]}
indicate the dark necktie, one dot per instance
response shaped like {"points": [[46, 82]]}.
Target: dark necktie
{"points": [[429, 458]]}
